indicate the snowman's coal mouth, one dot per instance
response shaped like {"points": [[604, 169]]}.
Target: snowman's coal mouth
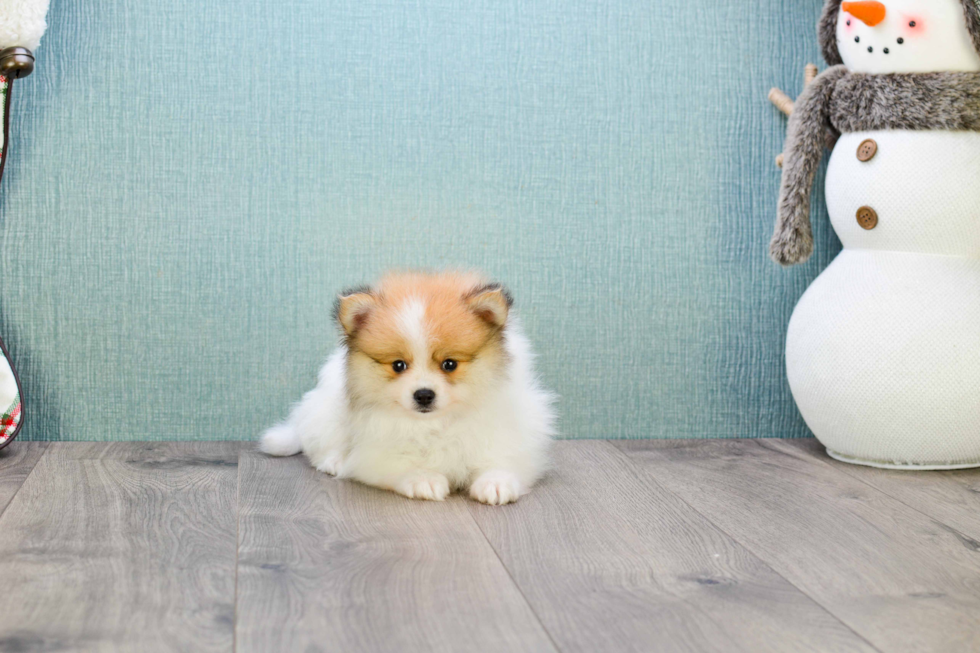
{"points": [[872, 48]]}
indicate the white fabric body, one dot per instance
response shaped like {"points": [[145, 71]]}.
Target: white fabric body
{"points": [[883, 350], [925, 187], [22, 23], [933, 33]]}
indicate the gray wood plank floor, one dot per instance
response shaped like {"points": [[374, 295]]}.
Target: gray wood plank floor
{"points": [[122, 547], [902, 580], [613, 562], [340, 567], [17, 461], [730, 545]]}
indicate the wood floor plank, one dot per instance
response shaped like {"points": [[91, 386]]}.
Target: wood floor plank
{"points": [[951, 497], [329, 565], [899, 578], [17, 460], [122, 547], [614, 563]]}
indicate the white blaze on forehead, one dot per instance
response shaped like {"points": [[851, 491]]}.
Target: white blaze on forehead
{"points": [[411, 323]]}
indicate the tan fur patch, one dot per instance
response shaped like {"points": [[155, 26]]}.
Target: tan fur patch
{"points": [[454, 330]]}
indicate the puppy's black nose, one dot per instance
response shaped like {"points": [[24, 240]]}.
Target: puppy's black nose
{"points": [[424, 397]]}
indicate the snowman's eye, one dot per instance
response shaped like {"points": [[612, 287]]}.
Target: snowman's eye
{"points": [[901, 40], [911, 23]]}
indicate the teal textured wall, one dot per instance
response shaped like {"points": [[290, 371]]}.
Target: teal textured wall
{"points": [[192, 181]]}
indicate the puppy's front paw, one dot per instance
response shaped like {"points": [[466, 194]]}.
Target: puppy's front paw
{"points": [[496, 488], [329, 464], [423, 485]]}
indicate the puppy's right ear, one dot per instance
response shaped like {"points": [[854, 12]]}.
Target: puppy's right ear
{"points": [[353, 308], [491, 303]]}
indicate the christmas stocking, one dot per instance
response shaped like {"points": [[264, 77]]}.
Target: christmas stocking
{"points": [[22, 23], [10, 406]]}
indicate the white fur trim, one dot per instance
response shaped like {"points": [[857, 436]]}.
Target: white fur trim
{"points": [[8, 385], [22, 23]]}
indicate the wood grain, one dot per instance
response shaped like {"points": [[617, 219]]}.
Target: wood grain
{"points": [[328, 565], [951, 497], [613, 563], [899, 578], [17, 461], [627, 546], [122, 547]]}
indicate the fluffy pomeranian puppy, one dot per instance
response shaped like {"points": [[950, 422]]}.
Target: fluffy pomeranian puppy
{"points": [[433, 389]]}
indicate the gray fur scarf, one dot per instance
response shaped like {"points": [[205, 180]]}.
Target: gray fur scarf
{"points": [[840, 102]]}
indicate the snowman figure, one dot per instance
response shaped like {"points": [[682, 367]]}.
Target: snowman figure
{"points": [[883, 349]]}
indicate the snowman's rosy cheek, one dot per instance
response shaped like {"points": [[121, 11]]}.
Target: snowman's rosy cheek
{"points": [[913, 26]]}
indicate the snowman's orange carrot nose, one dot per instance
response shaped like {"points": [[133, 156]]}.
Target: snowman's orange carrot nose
{"points": [[869, 13]]}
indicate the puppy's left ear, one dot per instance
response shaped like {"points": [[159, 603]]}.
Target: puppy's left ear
{"points": [[353, 308], [491, 303]]}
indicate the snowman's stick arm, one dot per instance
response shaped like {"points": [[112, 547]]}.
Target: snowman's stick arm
{"points": [[792, 241], [781, 101]]}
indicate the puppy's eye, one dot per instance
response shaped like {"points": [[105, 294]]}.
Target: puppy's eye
{"points": [[449, 365], [399, 366]]}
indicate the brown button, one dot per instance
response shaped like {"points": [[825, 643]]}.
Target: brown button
{"points": [[867, 217], [867, 150]]}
